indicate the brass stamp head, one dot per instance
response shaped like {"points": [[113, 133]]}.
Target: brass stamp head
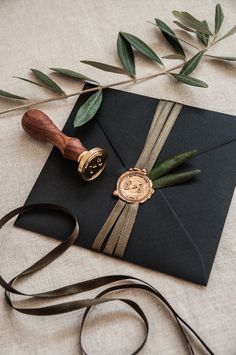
{"points": [[92, 163], [134, 186]]}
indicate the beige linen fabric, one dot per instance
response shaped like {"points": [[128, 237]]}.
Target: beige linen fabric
{"points": [[42, 34]]}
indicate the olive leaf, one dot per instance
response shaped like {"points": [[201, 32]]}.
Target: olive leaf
{"points": [[203, 37], [219, 18], [170, 36], [230, 59], [169, 164], [228, 34], [11, 96], [174, 179], [73, 74], [126, 55], [105, 67], [174, 56], [192, 63], [141, 47], [183, 27], [189, 80], [48, 82], [88, 109], [30, 81], [189, 21]]}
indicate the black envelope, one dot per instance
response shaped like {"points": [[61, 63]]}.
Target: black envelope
{"points": [[178, 230]]}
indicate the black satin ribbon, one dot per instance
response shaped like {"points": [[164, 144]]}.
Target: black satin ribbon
{"points": [[115, 282]]}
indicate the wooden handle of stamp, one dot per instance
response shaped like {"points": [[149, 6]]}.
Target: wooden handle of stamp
{"points": [[38, 125]]}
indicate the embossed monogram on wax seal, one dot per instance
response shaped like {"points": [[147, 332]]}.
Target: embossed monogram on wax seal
{"points": [[134, 186]]}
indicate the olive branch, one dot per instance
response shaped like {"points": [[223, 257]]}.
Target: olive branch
{"points": [[127, 44]]}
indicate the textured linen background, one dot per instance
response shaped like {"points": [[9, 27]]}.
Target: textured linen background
{"points": [[42, 34]]}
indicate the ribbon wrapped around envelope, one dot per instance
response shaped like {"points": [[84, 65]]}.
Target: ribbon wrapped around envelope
{"points": [[178, 229], [123, 216]]}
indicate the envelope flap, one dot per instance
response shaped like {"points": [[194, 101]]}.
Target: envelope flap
{"points": [[205, 129], [202, 205], [165, 242], [127, 123]]}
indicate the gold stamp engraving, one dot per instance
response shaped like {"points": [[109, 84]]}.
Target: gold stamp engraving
{"points": [[134, 186], [92, 163]]}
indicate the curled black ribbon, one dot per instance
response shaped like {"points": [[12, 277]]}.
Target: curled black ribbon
{"points": [[115, 282]]}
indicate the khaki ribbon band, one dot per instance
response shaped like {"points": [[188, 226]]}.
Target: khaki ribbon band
{"points": [[123, 215], [115, 283]]}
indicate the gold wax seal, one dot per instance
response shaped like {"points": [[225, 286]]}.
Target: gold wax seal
{"points": [[134, 186], [92, 163]]}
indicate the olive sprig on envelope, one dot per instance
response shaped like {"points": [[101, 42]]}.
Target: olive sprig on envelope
{"points": [[161, 176], [202, 39]]}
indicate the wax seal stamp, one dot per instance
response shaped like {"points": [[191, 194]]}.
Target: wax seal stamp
{"points": [[92, 163], [134, 186], [40, 126]]}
